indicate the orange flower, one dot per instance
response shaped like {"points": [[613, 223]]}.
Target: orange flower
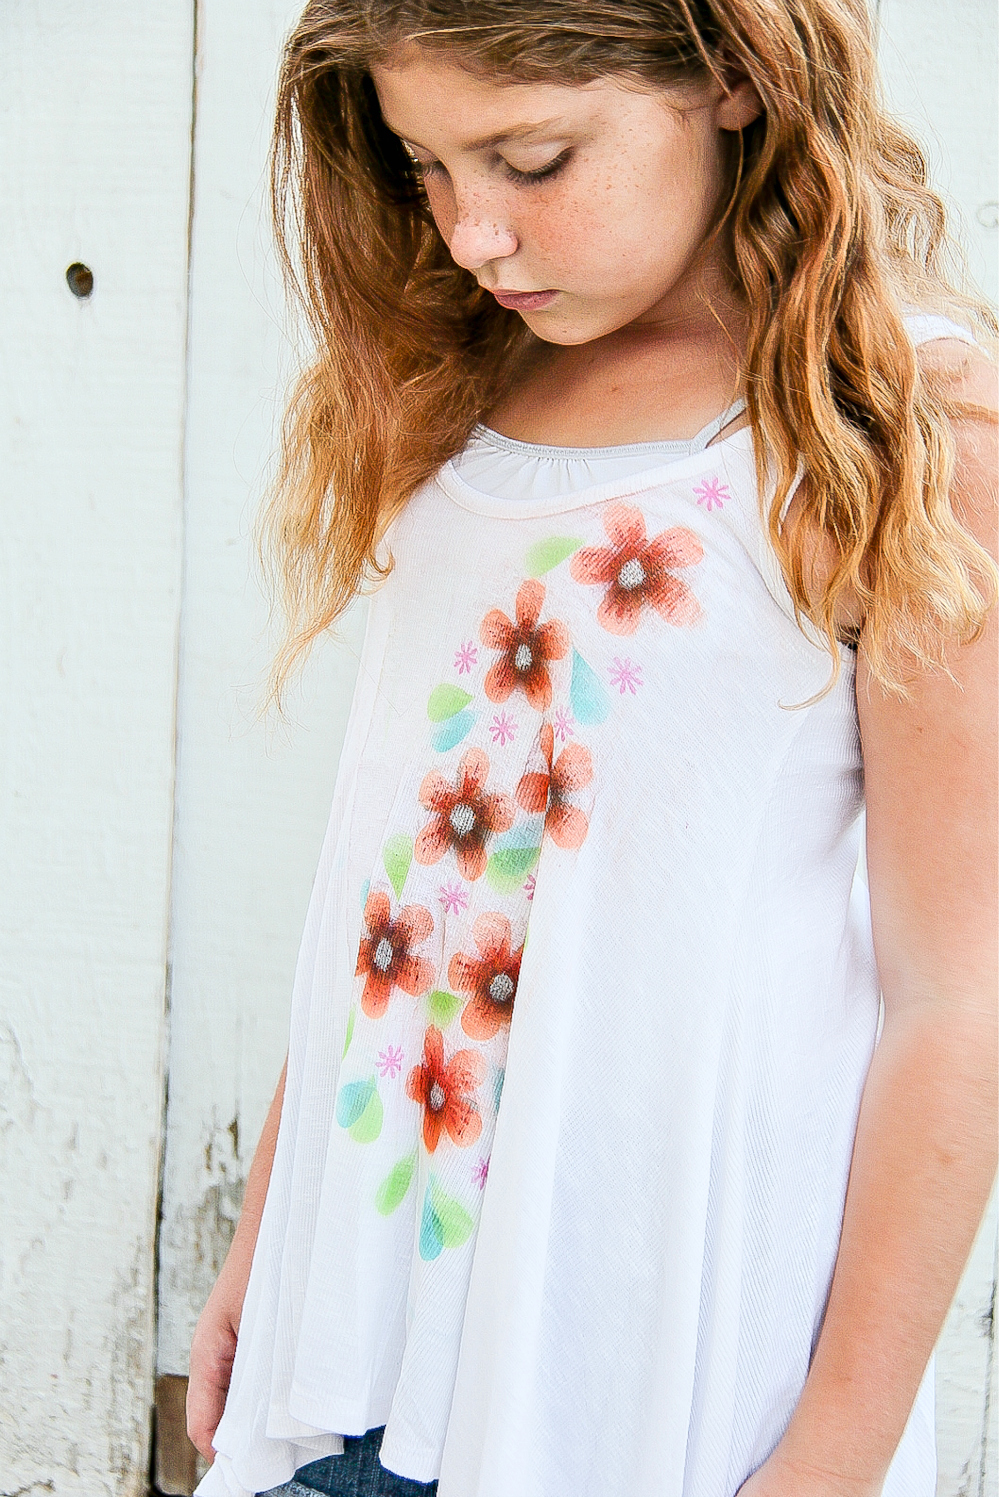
{"points": [[637, 571], [565, 823], [445, 1092], [492, 980], [385, 957], [464, 815], [526, 648]]}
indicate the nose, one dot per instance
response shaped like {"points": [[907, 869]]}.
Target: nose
{"points": [[478, 238]]}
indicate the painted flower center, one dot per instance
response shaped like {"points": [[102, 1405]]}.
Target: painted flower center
{"points": [[502, 988], [435, 1097], [383, 955], [462, 820], [631, 574], [522, 658]]}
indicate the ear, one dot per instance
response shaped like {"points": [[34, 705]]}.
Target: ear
{"points": [[739, 107]]}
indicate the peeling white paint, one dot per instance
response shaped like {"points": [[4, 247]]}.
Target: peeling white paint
{"points": [[94, 167], [252, 797]]}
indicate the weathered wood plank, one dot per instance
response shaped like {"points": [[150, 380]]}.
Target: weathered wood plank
{"points": [[94, 167], [252, 797]]}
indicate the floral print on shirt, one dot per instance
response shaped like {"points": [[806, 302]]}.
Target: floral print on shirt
{"points": [[526, 648], [639, 573], [465, 815], [455, 948], [446, 1092], [386, 958], [491, 978]]}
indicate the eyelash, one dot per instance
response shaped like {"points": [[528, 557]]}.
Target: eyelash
{"points": [[511, 172]]}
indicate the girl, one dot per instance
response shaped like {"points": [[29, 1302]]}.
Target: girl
{"points": [[634, 394]]}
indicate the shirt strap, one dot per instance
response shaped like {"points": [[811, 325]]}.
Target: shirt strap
{"points": [[709, 432]]}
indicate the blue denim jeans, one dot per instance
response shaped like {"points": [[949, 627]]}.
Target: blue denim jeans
{"points": [[356, 1473]]}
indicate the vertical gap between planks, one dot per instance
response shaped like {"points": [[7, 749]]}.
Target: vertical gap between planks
{"points": [[174, 1466]]}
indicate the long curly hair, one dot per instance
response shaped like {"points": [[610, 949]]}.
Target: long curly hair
{"points": [[836, 235]]}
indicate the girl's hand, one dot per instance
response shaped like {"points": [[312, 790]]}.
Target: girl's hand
{"points": [[212, 1353], [782, 1476], [214, 1344]]}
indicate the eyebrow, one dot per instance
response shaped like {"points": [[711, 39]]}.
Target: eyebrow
{"points": [[486, 142]]}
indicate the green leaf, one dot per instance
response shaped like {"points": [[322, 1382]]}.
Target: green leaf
{"points": [[454, 1222], [452, 731], [510, 867], [445, 701], [350, 1031], [352, 1100], [397, 1182], [369, 1125], [549, 553], [443, 1007], [397, 855]]}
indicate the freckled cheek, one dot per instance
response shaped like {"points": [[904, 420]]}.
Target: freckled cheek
{"points": [[607, 231], [442, 206]]}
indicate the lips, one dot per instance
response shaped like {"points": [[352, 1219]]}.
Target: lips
{"points": [[525, 301]]}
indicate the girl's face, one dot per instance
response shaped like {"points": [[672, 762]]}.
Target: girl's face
{"points": [[585, 207]]}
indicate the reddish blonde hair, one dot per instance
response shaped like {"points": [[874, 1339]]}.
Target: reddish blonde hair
{"points": [[836, 233]]}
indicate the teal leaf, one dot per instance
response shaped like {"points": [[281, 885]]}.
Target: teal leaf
{"points": [[445, 701], [431, 1235], [452, 731], [443, 1007], [397, 855], [369, 1125], [352, 1101], [397, 1182], [591, 703], [454, 1221], [510, 866], [547, 554], [525, 834], [365, 890], [498, 1076], [350, 1032]]}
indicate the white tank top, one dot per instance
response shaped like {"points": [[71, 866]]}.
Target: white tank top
{"points": [[576, 703]]}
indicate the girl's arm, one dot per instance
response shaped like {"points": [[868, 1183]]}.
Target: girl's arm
{"points": [[214, 1344], [925, 1150]]}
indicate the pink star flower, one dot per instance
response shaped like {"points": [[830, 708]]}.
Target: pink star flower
{"points": [[454, 898], [480, 1170], [562, 724], [626, 675], [390, 1060], [466, 657], [502, 728], [712, 493]]}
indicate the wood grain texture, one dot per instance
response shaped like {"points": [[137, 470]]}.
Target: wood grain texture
{"points": [[252, 796], [94, 168]]}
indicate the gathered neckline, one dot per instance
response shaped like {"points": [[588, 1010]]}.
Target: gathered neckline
{"points": [[619, 449], [468, 497]]}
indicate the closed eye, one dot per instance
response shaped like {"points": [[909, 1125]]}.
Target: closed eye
{"points": [[426, 169], [543, 172]]}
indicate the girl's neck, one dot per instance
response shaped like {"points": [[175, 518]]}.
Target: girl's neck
{"points": [[661, 377]]}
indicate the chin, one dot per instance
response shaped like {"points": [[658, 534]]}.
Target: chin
{"points": [[566, 335]]}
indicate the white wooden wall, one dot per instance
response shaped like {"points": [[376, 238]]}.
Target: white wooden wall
{"points": [[95, 138], [136, 432]]}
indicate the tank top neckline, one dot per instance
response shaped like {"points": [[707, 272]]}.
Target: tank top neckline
{"points": [[668, 468], [668, 446]]}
